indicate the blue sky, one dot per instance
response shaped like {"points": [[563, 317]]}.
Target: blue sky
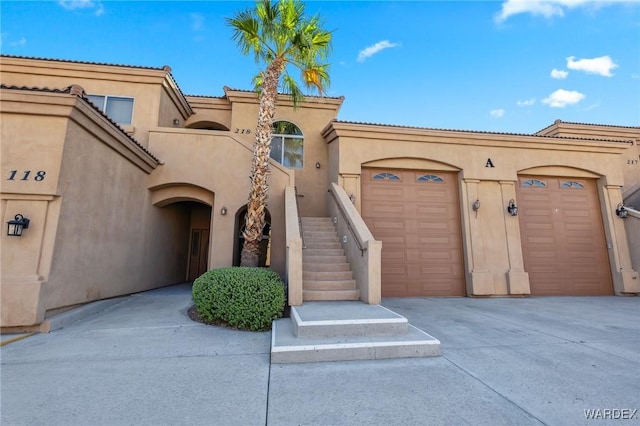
{"points": [[500, 66]]}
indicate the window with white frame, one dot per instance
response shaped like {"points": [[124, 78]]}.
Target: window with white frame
{"points": [[118, 108], [287, 145]]}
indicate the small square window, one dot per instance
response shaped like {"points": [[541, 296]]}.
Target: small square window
{"points": [[118, 108]]}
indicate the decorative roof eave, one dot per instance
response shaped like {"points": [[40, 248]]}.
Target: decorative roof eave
{"points": [[78, 92], [359, 130], [599, 130], [133, 73], [250, 96]]}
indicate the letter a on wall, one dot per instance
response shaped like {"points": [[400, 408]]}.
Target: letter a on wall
{"points": [[489, 163]]}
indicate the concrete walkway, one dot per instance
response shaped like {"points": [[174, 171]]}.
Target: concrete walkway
{"points": [[142, 361]]}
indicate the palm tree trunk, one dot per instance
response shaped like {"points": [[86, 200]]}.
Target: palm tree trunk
{"points": [[255, 218]]}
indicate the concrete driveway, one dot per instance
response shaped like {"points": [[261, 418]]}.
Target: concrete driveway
{"points": [[142, 361]]}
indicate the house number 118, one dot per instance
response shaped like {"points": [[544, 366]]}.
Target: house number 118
{"points": [[26, 175]]}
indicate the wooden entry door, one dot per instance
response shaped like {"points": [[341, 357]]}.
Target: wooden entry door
{"points": [[199, 253], [563, 241]]}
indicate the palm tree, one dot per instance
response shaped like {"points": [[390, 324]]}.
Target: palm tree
{"points": [[279, 35]]}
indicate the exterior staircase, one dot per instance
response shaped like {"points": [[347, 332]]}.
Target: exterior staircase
{"points": [[332, 324], [326, 275]]}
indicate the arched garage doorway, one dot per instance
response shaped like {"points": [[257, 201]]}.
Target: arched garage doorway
{"points": [[416, 215], [563, 240]]}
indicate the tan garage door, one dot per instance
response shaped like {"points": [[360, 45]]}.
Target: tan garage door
{"points": [[563, 241], [416, 215]]}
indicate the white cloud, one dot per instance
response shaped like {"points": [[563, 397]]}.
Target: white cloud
{"points": [[561, 98], [601, 66], [372, 50], [197, 21], [528, 102], [549, 8], [497, 113], [19, 43], [83, 4], [559, 74]]}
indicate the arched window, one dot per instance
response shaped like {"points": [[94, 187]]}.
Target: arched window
{"points": [[534, 183], [572, 185], [430, 178], [287, 145], [386, 176]]}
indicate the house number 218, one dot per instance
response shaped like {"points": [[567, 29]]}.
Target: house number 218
{"points": [[26, 175]]}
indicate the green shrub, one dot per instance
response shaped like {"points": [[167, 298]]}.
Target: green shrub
{"points": [[246, 298]]}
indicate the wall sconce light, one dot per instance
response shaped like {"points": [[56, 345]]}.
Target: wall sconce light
{"points": [[317, 164], [512, 208], [476, 205], [15, 226], [223, 211], [176, 121], [621, 211]]}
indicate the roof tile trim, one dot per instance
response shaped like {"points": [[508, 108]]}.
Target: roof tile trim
{"points": [[81, 62], [85, 99], [479, 131]]}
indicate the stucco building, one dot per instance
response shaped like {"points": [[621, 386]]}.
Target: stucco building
{"points": [[129, 184]]}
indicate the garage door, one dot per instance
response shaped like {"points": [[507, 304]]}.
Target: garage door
{"points": [[563, 241], [416, 215]]}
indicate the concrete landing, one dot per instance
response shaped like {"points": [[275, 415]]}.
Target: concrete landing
{"points": [[346, 331]]}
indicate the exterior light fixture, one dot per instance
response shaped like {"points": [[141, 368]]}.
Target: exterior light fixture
{"points": [[176, 121], [512, 208], [476, 205], [621, 211], [17, 225], [317, 164], [223, 211]]}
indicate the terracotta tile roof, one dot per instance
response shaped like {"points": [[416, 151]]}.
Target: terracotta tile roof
{"points": [[68, 91], [165, 68], [587, 124], [478, 131], [81, 62], [280, 93]]}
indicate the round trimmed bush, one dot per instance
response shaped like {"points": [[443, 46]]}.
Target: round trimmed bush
{"points": [[246, 298]]}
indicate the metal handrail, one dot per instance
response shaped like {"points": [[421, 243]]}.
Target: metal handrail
{"points": [[360, 244], [295, 190]]}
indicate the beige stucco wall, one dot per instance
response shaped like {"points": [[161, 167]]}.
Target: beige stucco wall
{"points": [[491, 239], [94, 232], [311, 117], [218, 163], [155, 100], [629, 161]]}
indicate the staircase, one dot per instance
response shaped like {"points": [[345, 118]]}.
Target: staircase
{"points": [[326, 275]]}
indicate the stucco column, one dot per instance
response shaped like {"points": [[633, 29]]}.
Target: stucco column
{"points": [[479, 277], [351, 185], [26, 260], [625, 278], [517, 278]]}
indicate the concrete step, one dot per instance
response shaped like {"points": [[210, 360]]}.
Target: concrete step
{"points": [[329, 285], [330, 275], [345, 319], [322, 259], [322, 244], [310, 295], [322, 240], [325, 267], [320, 226], [333, 336], [311, 219], [318, 234], [324, 251]]}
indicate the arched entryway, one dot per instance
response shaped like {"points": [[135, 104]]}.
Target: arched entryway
{"points": [[265, 245], [188, 209]]}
